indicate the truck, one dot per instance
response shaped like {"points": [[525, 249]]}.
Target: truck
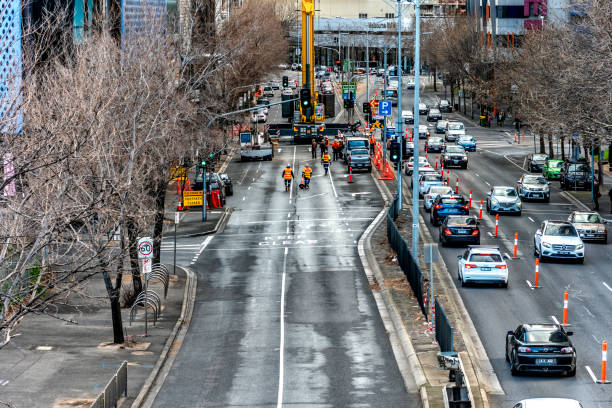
{"points": [[255, 145]]}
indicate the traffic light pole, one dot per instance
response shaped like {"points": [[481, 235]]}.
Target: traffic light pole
{"points": [[384, 138], [400, 122], [415, 172]]}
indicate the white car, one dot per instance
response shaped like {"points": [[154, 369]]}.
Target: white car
{"points": [[453, 131], [548, 403], [428, 179], [423, 163], [287, 92], [482, 264], [558, 239], [259, 116], [423, 132], [432, 192], [408, 117]]}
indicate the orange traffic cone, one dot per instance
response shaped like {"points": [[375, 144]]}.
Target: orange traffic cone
{"points": [[180, 205], [387, 173]]}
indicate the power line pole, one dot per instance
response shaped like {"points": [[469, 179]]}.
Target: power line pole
{"points": [[415, 171]]}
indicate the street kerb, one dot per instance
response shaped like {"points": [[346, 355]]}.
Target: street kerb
{"points": [[160, 371]]}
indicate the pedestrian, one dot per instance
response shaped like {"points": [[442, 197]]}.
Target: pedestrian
{"points": [[306, 173], [503, 117], [314, 149], [499, 119], [488, 119], [325, 160], [596, 194], [288, 176], [517, 125], [326, 145], [610, 195], [322, 146]]}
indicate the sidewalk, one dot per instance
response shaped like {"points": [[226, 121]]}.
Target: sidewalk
{"points": [[67, 362]]}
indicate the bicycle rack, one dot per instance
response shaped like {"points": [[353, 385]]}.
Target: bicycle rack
{"points": [[147, 299], [159, 273]]}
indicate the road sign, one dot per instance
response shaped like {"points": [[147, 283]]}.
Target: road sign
{"points": [[349, 87], [145, 248], [177, 217], [147, 265], [384, 107]]}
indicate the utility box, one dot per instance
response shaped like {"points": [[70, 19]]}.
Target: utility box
{"points": [[329, 100]]}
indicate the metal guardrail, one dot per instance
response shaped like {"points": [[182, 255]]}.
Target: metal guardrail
{"points": [[406, 260], [444, 330], [113, 391]]}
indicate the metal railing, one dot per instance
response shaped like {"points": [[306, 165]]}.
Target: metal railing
{"points": [[116, 387], [444, 330], [406, 260]]}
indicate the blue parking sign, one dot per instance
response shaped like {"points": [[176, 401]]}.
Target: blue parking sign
{"points": [[384, 108]]}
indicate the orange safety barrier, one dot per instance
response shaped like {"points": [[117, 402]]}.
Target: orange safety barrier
{"points": [[536, 281], [604, 362], [387, 173], [350, 177], [496, 224], [565, 302], [515, 244]]}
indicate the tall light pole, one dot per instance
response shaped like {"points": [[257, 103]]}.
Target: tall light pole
{"points": [[400, 122], [415, 167]]}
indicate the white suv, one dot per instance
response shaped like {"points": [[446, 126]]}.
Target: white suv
{"points": [[558, 239], [482, 264]]}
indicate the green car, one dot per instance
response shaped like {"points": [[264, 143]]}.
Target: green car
{"points": [[552, 169]]}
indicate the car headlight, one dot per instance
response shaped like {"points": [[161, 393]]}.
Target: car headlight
{"points": [[545, 244], [580, 246], [519, 203], [494, 201]]}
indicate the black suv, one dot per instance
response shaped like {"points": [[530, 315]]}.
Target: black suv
{"points": [[453, 155], [575, 175]]}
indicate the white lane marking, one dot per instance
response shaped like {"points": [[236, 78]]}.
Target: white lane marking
{"points": [[288, 215], [249, 188], [487, 183], [253, 178], [607, 287], [281, 366], [529, 284], [364, 193], [313, 196], [507, 255], [531, 219], [258, 166], [332, 182], [476, 174], [3, 383], [591, 374], [554, 319], [243, 198], [203, 245], [490, 234], [292, 167]]}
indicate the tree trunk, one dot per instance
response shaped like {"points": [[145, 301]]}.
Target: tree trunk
{"points": [[563, 148], [113, 296], [551, 149], [452, 92], [464, 105], [133, 252], [435, 84], [472, 105], [542, 145], [158, 223]]}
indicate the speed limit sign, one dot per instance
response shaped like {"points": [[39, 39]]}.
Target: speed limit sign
{"points": [[145, 248]]}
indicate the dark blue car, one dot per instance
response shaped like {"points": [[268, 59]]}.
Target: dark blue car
{"points": [[448, 204]]}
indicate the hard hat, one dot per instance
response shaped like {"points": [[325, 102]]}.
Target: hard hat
{"points": [[288, 164]]}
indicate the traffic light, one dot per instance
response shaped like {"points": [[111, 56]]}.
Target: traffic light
{"points": [[285, 82], [394, 151], [367, 108], [305, 102], [349, 103]]}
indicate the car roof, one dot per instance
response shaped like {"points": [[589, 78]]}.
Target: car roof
{"points": [[484, 248], [494, 187], [550, 403], [586, 212], [541, 326], [560, 222]]}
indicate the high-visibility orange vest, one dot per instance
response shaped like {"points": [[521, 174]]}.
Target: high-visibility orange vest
{"points": [[326, 158], [314, 144], [287, 173], [372, 140], [326, 142], [307, 172]]}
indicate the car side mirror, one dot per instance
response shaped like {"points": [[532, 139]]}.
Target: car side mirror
{"points": [[605, 221], [518, 182], [548, 182], [510, 333], [477, 222], [459, 256], [539, 232], [489, 194], [569, 333]]}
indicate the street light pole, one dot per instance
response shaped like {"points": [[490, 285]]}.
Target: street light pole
{"points": [[400, 122], [415, 167], [368, 65]]}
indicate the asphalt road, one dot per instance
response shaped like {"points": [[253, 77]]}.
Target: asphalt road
{"points": [[494, 311], [284, 314]]}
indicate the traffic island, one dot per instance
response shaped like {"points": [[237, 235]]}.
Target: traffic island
{"points": [[479, 374]]}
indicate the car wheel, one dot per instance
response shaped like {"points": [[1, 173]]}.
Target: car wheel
{"points": [[572, 373], [513, 370], [519, 213], [547, 200], [580, 260], [506, 352], [463, 282], [535, 249], [504, 285], [440, 239]]}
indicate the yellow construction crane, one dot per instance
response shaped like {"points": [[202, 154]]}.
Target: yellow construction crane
{"points": [[307, 105]]}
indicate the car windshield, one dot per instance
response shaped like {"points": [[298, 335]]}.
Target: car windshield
{"points": [[434, 111], [539, 157], [455, 126], [392, 93], [439, 190], [485, 257], [422, 106], [355, 144], [504, 192], [578, 168], [444, 102], [261, 112], [535, 180], [545, 336], [436, 140], [466, 138], [561, 230], [442, 123], [461, 221], [432, 177], [556, 164], [588, 218], [360, 151], [455, 149], [453, 200]]}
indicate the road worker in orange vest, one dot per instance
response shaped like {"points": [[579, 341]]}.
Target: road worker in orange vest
{"points": [[372, 143], [326, 161], [335, 149], [307, 173], [288, 176]]}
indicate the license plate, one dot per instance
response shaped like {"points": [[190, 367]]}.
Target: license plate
{"points": [[545, 361], [455, 161], [564, 252], [537, 195], [485, 268], [462, 231], [590, 235]]}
